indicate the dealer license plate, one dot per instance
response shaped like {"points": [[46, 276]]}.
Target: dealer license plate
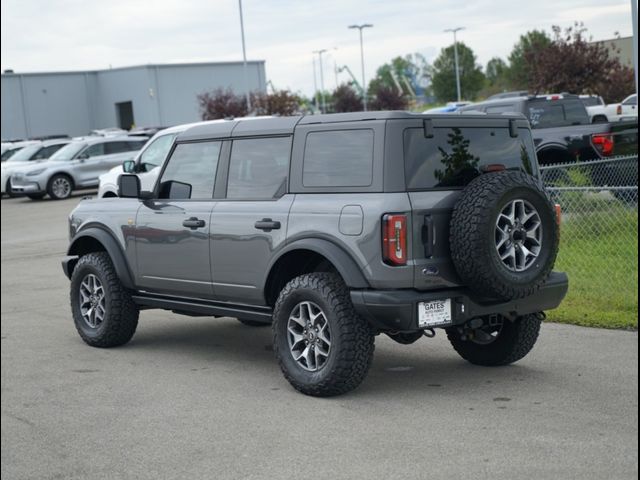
{"points": [[434, 314]]}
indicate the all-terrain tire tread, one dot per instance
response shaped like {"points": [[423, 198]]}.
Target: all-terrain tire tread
{"points": [[521, 338], [354, 359], [122, 313], [469, 247]]}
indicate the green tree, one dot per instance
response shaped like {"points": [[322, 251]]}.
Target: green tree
{"points": [[530, 45], [414, 68], [444, 77], [496, 71]]}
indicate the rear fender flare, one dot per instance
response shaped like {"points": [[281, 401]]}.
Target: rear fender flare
{"points": [[345, 265]]}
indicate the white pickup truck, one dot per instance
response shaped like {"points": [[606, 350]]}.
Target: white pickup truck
{"points": [[614, 112]]}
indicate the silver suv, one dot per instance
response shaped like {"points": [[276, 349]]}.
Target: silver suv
{"points": [[333, 229], [77, 165]]}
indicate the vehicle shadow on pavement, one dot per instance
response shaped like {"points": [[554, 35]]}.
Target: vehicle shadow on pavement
{"points": [[416, 369]]}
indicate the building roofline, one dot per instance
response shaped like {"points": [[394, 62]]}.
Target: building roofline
{"points": [[133, 67], [628, 37]]}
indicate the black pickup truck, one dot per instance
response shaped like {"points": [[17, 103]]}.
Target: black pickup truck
{"points": [[562, 131]]}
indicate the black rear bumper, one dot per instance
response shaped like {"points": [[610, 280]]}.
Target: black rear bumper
{"points": [[398, 309]]}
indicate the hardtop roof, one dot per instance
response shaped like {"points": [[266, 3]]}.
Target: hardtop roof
{"points": [[286, 125]]}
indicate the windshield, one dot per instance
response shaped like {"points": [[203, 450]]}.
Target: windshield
{"points": [[10, 153], [68, 151], [557, 113], [25, 154]]}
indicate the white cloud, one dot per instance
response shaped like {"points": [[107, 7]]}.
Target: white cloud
{"points": [[74, 34]]}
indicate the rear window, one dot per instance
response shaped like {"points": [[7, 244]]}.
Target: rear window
{"points": [[556, 113], [338, 159], [455, 156], [591, 101]]}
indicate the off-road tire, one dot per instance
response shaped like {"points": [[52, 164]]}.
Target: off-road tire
{"points": [[472, 235], [253, 323], [352, 340], [514, 342], [121, 317], [51, 190]]}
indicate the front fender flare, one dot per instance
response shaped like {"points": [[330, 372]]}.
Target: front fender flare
{"points": [[110, 245]]}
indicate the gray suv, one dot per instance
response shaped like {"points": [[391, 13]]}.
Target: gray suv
{"points": [[333, 229]]}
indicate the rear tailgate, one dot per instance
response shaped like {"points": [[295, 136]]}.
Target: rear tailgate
{"points": [[441, 159]]}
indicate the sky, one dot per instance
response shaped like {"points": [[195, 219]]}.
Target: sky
{"points": [[62, 35]]}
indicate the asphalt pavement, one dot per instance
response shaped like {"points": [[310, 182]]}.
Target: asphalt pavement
{"points": [[192, 398]]}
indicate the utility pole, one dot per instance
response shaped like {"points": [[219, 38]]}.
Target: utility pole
{"points": [[315, 83], [364, 85], [324, 103], [244, 60], [455, 54]]}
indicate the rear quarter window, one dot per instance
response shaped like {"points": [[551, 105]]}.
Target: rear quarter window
{"points": [[455, 156], [556, 113], [340, 158]]}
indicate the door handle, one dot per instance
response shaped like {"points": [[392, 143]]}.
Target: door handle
{"points": [[193, 223], [267, 225]]}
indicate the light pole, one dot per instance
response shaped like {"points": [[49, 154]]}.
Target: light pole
{"points": [[244, 60], [324, 103], [455, 54], [315, 83], [364, 87]]}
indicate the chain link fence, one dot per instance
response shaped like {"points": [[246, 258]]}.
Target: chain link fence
{"points": [[599, 246]]}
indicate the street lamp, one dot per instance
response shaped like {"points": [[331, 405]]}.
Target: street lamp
{"points": [[324, 103], [364, 87], [455, 53], [244, 60]]}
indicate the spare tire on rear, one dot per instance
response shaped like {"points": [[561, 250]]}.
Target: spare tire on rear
{"points": [[504, 235]]}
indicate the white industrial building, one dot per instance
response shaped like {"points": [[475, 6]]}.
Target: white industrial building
{"points": [[73, 103]]}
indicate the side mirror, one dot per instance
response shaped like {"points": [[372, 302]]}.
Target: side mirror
{"points": [[128, 186], [82, 157], [175, 190], [129, 166]]}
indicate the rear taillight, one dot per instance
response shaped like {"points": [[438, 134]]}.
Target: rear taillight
{"points": [[394, 239], [619, 110], [603, 143]]}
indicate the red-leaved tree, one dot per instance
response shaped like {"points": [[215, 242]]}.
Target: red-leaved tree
{"points": [[573, 63]]}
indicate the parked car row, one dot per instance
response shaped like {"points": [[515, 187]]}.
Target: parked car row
{"points": [[599, 112], [58, 167], [562, 128]]}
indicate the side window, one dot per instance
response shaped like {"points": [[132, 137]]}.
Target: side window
{"points": [[338, 159], [502, 109], [576, 113], [112, 148], [259, 168], [46, 152], [156, 152], [94, 150], [191, 171], [135, 146]]}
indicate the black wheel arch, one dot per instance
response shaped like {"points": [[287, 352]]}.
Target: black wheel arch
{"points": [[95, 239], [326, 254]]}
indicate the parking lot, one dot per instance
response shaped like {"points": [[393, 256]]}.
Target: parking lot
{"points": [[204, 398]]}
